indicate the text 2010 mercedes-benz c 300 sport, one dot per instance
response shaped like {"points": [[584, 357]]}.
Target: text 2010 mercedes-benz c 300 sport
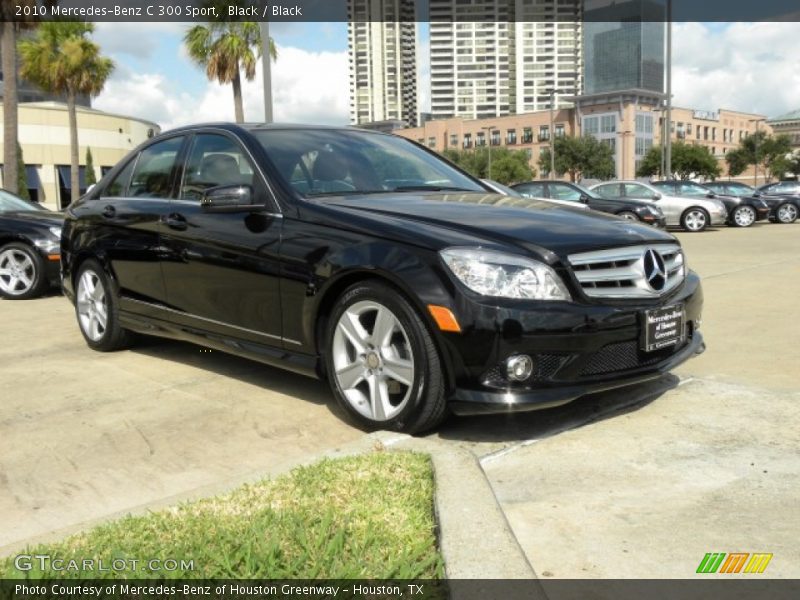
{"points": [[366, 259]]}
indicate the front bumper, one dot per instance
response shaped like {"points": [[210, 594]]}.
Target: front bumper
{"points": [[578, 348], [718, 219]]}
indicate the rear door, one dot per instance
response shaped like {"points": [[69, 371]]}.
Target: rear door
{"points": [[127, 215], [223, 269]]}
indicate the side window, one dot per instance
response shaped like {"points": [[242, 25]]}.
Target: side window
{"points": [[215, 160], [559, 191], [153, 173], [118, 187], [634, 190], [532, 190], [608, 191]]}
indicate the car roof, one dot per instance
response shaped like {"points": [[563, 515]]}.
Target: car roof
{"points": [[255, 126]]}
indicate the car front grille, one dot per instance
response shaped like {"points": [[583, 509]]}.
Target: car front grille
{"points": [[627, 272]]}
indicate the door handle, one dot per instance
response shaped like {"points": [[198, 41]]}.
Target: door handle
{"points": [[109, 212], [176, 221]]}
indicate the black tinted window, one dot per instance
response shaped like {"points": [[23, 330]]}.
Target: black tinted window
{"points": [[119, 185], [215, 160], [153, 172], [531, 190]]}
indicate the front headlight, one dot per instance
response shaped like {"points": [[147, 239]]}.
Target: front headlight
{"points": [[501, 275], [655, 211], [56, 231]]}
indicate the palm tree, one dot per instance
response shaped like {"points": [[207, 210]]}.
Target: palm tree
{"points": [[226, 49], [61, 59]]}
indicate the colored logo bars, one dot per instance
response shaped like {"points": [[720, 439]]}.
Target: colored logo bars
{"points": [[736, 562]]}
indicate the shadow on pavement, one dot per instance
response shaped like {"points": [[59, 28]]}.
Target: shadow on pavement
{"points": [[539, 424]]}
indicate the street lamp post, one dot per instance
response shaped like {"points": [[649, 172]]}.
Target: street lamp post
{"points": [[552, 94], [488, 131], [668, 123], [266, 61]]}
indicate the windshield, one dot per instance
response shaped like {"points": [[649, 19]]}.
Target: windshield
{"points": [[341, 162], [503, 189], [10, 203], [692, 189]]}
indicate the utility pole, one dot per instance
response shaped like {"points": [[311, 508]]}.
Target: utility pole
{"points": [[668, 124], [266, 65], [755, 152]]}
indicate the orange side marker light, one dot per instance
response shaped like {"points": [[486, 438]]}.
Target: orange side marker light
{"points": [[444, 318]]}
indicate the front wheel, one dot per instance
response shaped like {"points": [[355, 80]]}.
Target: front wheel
{"points": [[22, 273], [694, 220], [382, 364], [97, 311], [626, 214], [744, 216], [787, 213]]}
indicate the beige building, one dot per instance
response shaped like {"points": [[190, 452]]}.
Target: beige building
{"points": [[44, 138], [629, 122], [788, 124]]}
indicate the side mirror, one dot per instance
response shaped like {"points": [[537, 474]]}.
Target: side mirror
{"points": [[711, 195], [657, 196], [584, 199], [228, 198]]}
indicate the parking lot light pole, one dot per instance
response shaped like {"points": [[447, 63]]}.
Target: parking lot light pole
{"points": [[755, 152], [266, 62], [488, 138], [552, 94], [668, 124]]}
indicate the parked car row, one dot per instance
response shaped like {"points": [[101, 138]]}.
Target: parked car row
{"points": [[691, 206]]}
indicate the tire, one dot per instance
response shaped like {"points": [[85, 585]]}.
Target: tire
{"points": [[786, 213], [743, 216], [22, 272], [382, 363], [626, 214], [695, 220], [97, 309]]}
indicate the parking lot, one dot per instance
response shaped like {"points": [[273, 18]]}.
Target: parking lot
{"points": [[635, 483]]}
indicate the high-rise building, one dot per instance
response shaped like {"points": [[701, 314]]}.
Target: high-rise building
{"points": [[499, 57], [623, 45], [382, 43]]}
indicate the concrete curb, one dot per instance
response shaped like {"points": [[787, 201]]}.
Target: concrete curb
{"points": [[475, 538]]}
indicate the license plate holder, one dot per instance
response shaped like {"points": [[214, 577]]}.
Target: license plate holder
{"points": [[663, 328]]}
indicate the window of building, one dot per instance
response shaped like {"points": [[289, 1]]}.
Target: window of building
{"points": [[608, 124], [511, 137], [544, 133], [431, 142], [481, 140], [591, 125], [453, 140], [495, 139], [559, 132], [527, 135]]}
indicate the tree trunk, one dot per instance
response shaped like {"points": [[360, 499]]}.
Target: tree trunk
{"points": [[74, 169], [237, 98], [10, 156]]}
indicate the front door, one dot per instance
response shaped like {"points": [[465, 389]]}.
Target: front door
{"points": [[222, 274]]}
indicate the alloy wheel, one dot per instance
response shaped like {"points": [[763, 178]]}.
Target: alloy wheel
{"points": [[695, 220], [744, 216], [373, 360], [787, 213], [17, 272], [92, 305]]}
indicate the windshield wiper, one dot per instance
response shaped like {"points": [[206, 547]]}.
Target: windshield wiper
{"points": [[430, 188]]}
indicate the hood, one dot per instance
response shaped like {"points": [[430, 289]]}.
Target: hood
{"points": [[45, 218], [533, 224]]}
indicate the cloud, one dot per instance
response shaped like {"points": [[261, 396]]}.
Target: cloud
{"points": [[307, 87], [750, 67], [137, 40]]}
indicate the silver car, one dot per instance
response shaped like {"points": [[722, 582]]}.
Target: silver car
{"points": [[693, 214]]}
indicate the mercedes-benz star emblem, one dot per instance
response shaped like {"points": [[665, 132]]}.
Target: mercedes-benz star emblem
{"points": [[655, 270]]}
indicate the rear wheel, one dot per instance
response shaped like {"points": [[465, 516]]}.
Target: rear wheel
{"points": [[97, 310], [22, 273], [744, 216], [694, 220], [382, 364], [626, 214], [786, 213]]}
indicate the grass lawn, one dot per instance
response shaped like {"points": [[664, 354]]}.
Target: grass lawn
{"points": [[368, 516]]}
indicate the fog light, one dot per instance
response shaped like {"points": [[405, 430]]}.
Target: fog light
{"points": [[519, 367]]}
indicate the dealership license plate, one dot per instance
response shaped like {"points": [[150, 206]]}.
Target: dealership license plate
{"points": [[664, 327]]}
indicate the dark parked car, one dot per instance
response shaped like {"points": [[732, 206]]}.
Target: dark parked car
{"points": [[628, 208], [743, 210], [783, 198], [29, 247], [296, 246]]}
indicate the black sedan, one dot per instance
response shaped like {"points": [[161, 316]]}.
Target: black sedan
{"points": [[366, 259], [783, 198], [29, 247], [627, 208], [743, 210]]}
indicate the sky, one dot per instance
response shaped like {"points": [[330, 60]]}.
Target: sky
{"points": [[751, 67]]}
